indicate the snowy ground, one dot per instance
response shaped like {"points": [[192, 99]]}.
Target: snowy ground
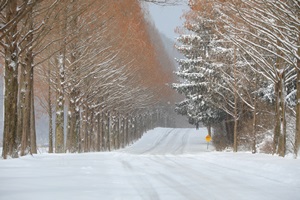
{"points": [[165, 164]]}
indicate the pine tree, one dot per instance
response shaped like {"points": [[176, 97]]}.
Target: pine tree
{"points": [[200, 73]]}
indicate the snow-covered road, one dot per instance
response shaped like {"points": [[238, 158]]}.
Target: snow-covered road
{"points": [[164, 164]]}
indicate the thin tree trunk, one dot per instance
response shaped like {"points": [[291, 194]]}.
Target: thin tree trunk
{"points": [[297, 133], [91, 123], [280, 124], [59, 123], [277, 118], [85, 129], [254, 123], [123, 132], [69, 119], [126, 131], [108, 132], [118, 132], [33, 146], [103, 132], [209, 129], [50, 150], [28, 79], [25, 143], [235, 104], [20, 108], [113, 131], [71, 143], [135, 131], [76, 135], [98, 144], [279, 129], [72, 121], [282, 137], [61, 60]]}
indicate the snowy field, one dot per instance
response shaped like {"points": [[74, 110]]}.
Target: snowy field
{"points": [[164, 164]]}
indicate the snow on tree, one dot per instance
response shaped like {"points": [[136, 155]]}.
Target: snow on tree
{"points": [[270, 40], [246, 45], [198, 71], [99, 61]]}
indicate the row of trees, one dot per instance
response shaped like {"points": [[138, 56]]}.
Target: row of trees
{"points": [[241, 58], [96, 70]]}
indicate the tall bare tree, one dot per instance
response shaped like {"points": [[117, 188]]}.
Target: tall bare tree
{"points": [[11, 53]]}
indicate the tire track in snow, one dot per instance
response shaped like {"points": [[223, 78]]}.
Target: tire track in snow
{"points": [[236, 170], [140, 183], [184, 141], [189, 179], [158, 142], [184, 190], [168, 145], [171, 143], [169, 162], [219, 173]]}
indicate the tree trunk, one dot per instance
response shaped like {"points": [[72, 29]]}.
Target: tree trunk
{"points": [[254, 123], [282, 136], [85, 130], [277, 118], [25, 142], [27, 86], [126, 131], [123, 132], [98, 145], [297, 134], [10, 86], [209, 129], [91, 124], [113, 130], [118, 132], [280, 124], [103, 144], [135, 126], [61, 63], [50, 150], [20, 107], [279, 140], [235, 105], [108, 132], [73, 115], [59, 123], [33, 147]]}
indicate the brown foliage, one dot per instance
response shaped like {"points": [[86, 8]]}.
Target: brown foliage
{"points": [[134, 41]]}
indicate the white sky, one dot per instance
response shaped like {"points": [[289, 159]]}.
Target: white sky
{"points": [[167, 18]]}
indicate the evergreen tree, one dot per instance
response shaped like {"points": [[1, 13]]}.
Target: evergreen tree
{"points": [[199, 72]]}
